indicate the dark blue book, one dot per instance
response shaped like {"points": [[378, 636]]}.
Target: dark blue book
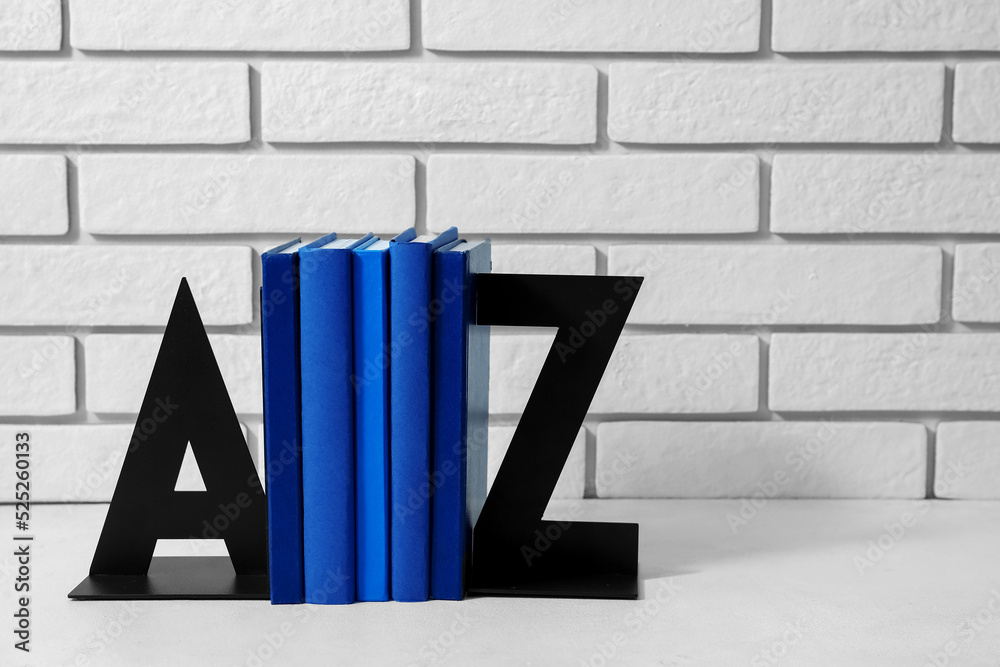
{"points": [[461, 357], [371, 410], [327, 352], [410, 269], [279, 309]]}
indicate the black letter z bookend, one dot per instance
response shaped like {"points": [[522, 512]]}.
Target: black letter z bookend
{"points": [[186, 402], [515, 552]]}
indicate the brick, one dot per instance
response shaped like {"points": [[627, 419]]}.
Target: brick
{"points": [[541, 103], [119, 366], [763, 103], [699, 26], [977, 97], [33, 195], [209, 194], [571, 480], [123, 285], [681, 374], [885, 25], [586, 193], [763, 285], [547, 259], [30, 25], [976, 287], [925, 193], [762, 459], [138, 102], [241, 25], [914, 371], [967, 459], [39, 375], [74, 463]]}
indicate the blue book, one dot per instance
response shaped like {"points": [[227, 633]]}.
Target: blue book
{"points": [[410, 411], [371, 410], [461, 357], [279, 309], [327, 351]]}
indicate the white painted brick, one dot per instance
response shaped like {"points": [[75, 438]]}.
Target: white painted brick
{"points": [[967, 460], [545, 259], [977, 98], [681, 374], [763, 285], [976, 287], [761, 459], [134, 102], [207, 194], [570, 483], [243, 25], [885, 25], [543, 103], [119, 366], [700, 26], [33, 195], [877, 372], [30, 25], [74, 463], [587, 193], [793, 103], [39, 375], [123, 285], [925, 192]]}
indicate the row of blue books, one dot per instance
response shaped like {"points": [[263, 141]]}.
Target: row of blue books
{"points": [[375, 416]]}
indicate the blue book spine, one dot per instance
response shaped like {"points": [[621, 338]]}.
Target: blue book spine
{"points": [[327, 353], [410, 423], [282, 403], [371, 391], [460, 419]]}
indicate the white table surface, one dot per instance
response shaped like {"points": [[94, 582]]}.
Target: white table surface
{"points": [[784, 589]]}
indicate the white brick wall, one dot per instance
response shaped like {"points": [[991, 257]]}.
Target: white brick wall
{"points": [[977, 93], [30, 25], [246, 25], [757, 285], [811, 189], [33, 189], [586, 193], [598, 25], [470, 102], [131, 102], [774, 460], [118, 368], [885, 25], [789, 102], [212, 194]]}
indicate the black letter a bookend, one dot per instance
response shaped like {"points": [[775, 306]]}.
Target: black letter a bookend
{"points": [[186, 402]]}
